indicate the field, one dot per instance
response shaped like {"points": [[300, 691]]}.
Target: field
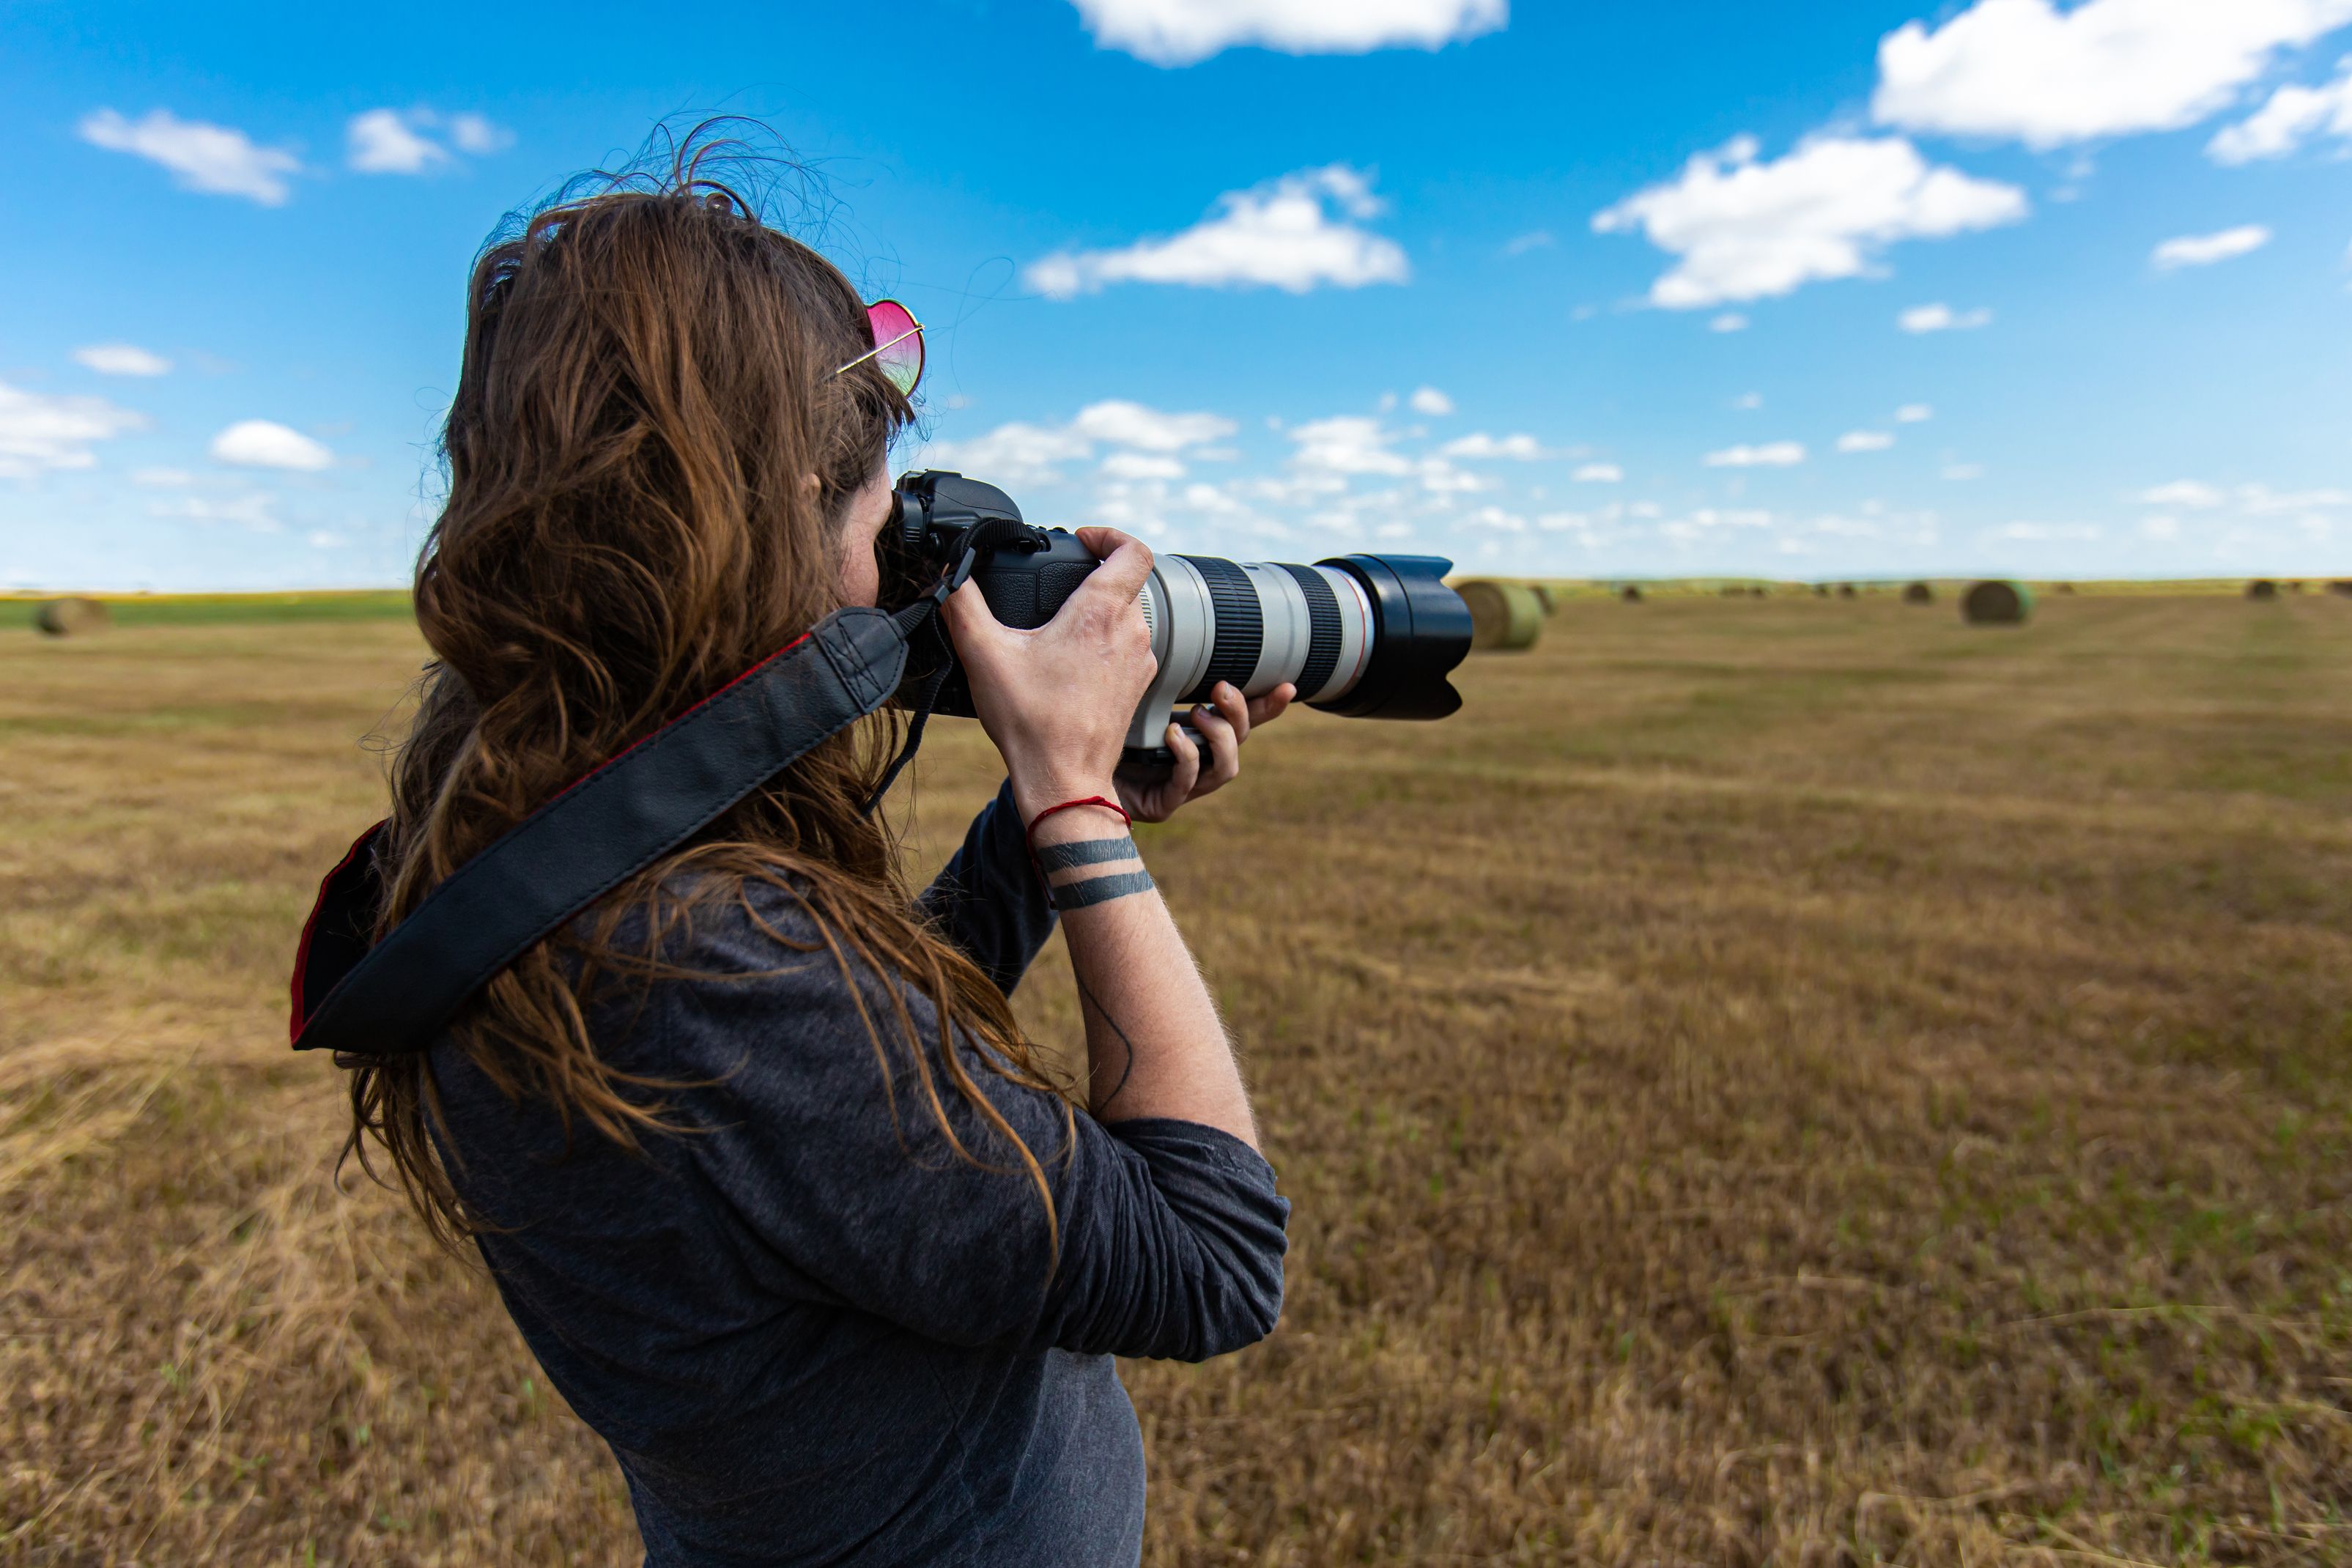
{"points": [[1785, 1081]]}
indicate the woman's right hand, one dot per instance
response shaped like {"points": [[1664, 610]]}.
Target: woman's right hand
{"points": [[1057, 701]]}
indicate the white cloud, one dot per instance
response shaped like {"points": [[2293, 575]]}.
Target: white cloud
{"points": [[163, 479], [256, 510], [2046, 532], [1746, 230], [2025, 71], [121, 359], [1183, 32], [1521, 448], [322, 540], [2293, 116], [213, 158], [476, 134], [1537, 239], [1864, 441], [1123, 424], [1020, 453], [1015, 453], [265, 444], [1348, 443], [1439, 477], [380, 142], [1770, 454], [1748, 401], [2159, 527], [2261, 501], [1495, 517], [38, 434], [1430, 401], [1729, 321], [1963, 471], [1942, 318], [1599, 474], [2183, 492], [1142, 465], [2204, 249], [1289, 234], [398, 141], [1914, 414]]}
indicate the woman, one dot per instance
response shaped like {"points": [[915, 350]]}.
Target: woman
{"points": [[764, 1168]]}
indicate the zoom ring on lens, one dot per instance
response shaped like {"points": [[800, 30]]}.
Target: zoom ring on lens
{"points": [[1240, 626], [1322, 629]]}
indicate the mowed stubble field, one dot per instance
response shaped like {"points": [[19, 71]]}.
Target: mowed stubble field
{"points": [[1785, 1081]]}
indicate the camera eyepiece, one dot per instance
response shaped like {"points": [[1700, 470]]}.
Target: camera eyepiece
{"points": [[929, 509]]}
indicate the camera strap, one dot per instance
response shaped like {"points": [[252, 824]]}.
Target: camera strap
{"points": [[398, 995]]}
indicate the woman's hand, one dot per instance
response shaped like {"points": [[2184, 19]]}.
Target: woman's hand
{"points": [[1057, 701], [1225, 723]]}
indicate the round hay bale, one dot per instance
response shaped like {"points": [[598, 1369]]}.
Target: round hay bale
{"points": [[1918, 593], [1848, 591], [2261, 588], [1997, 604], [2067, 589], [2341, 585], [72, 617], [1503, 616], [1820, 590], [1547, 596], [1755, 593], [1631, 592]]}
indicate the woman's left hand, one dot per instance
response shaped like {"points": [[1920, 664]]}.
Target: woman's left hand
{"points": [[1224, 723]]}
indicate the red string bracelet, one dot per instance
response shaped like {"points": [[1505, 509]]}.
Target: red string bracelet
{"points": [[1031, 837]]}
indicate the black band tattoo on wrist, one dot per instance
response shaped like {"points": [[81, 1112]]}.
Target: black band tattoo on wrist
{"points": [[1086, 852], [1099, 889]]}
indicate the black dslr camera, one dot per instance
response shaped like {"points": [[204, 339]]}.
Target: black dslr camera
{"points": [[1370, 637]]}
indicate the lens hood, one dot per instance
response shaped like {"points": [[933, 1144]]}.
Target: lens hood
{"points": [[1423, 632]]}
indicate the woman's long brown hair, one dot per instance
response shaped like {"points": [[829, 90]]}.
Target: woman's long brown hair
{"points": [[647, 392]]}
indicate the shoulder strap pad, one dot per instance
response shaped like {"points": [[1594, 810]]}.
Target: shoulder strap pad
{"points": [[399, 995]]}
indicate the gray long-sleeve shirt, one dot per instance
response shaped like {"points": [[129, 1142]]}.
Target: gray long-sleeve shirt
{"points": [[810, 1332]]}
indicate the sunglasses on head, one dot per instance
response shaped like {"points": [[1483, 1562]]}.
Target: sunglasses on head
{"points": [[897, 350]]}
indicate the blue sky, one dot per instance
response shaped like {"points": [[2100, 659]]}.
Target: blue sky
{"points": [[1813, 290]]}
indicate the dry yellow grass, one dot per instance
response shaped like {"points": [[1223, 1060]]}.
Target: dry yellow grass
{"points": [[1799, 1082]]}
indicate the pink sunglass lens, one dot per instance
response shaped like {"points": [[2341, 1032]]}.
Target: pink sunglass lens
{"points": [[898, 343]]}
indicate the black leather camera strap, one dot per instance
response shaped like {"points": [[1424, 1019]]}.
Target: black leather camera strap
{"points": [[399, 995]]}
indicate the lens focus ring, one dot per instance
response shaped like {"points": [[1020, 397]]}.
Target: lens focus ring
{"points": [[1240, 626], [1322, 629]]}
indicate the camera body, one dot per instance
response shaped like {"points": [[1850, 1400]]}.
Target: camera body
{"points": [[1372, 636]]}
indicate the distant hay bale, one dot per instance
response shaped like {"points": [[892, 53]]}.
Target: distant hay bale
{"points": [[1848, 591], [1631, 592], [72, 617], [2261, 588], [1503, 616], [1997, 604], [2341, 585], [2067, 589], [1820, 590], [1755, 593], [1918, 593]]}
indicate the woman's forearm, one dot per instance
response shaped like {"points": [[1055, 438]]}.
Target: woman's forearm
{"points": [[1155, 1045]]}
